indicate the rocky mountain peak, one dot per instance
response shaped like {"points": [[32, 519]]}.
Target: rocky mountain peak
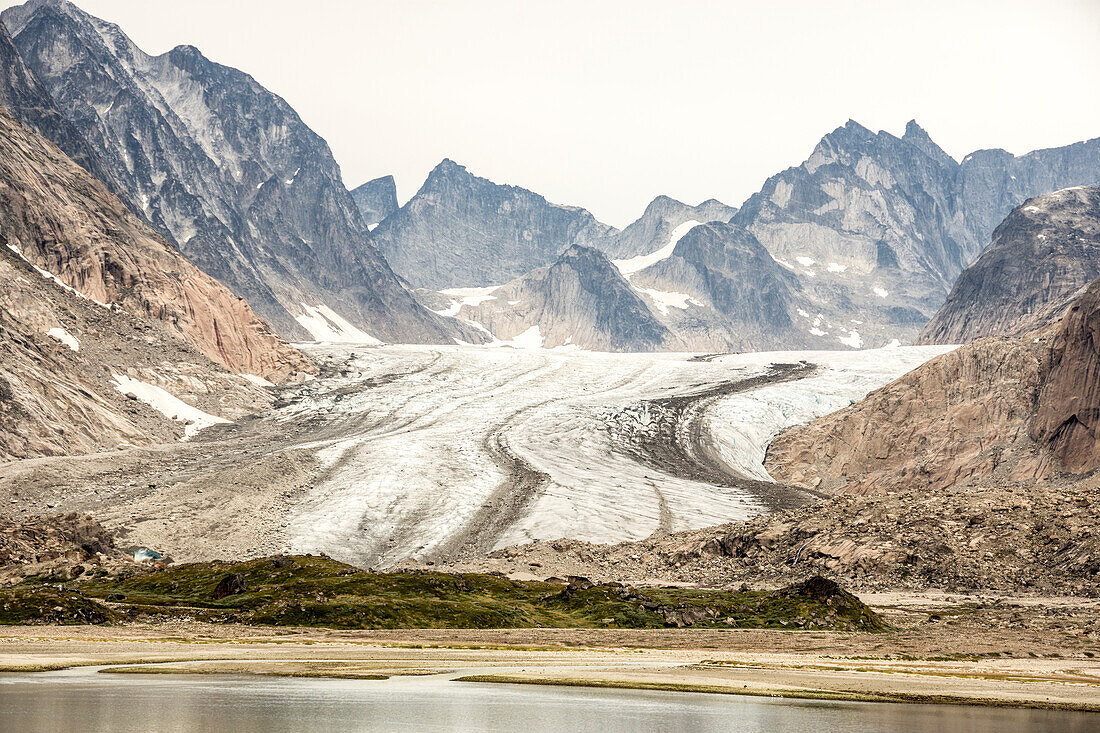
{"points": [[916, 136], [461, 230], [1041, 256], [376, 199]]}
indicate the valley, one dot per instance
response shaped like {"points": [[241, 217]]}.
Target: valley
{"points": [[426, 454]]}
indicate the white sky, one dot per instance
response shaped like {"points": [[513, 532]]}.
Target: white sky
{"points": [[607, 104]]}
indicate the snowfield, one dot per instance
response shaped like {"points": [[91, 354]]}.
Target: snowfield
{"points": [[431, 451]]}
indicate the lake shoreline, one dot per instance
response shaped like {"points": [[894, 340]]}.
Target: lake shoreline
{"points": [[919, 665]]}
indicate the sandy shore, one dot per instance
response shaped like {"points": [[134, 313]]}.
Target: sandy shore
{"points": [[968, 662]]}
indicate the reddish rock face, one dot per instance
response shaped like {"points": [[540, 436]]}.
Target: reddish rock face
{"points": [[1068, 418], [66, 223], [997, 409]]}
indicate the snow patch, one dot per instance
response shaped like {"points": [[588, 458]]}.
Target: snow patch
{"points": [[324, 324], [786, 264], [529, 339], [880, 292], [167, 404], [64, 337], [472, 296], [632, 265], [664, 299], [853, 339], [836, 267], [258, 381], [804, 260]]}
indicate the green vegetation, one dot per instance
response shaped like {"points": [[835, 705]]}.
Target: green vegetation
{"points": [[318, 591], [24, 604]]}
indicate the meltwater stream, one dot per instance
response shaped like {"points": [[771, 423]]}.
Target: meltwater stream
{"points": [[82, 700]]}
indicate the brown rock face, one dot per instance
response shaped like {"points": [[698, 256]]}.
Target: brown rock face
{"points": [[1010, 409], [1068, 419], [65, 222], [960, 416]]}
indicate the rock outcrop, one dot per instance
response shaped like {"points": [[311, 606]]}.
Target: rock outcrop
{"points": [[376, 199], [1067, 422], [460, 230], [1000, 410], [1041, 258], [227, 172], [580, 300]]}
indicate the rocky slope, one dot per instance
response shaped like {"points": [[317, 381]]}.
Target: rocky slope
{"points": [[580, 300], [1005, 410], [376, 199], [460, 230], [67, 364], [1020, 540], [59, 219], [656, 226], [228, 173], [1042, 256]]}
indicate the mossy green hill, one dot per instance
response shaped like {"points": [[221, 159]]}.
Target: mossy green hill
{"points": [[319, 591]]}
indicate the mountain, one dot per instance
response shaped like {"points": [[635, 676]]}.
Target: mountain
{"points": [[994, 412], [658, 223], [26, 99], [991, 183], [228, 173], [460, 230], [96, 306], [719, 290], [376, 199], [879, 227], [1042, 256], [59, 219], [866, 224], [580, 300]]}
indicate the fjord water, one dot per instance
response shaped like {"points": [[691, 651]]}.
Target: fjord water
{"points": [[84, 700]]}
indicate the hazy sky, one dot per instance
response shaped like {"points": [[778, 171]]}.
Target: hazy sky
{"points": [[607, 104]]}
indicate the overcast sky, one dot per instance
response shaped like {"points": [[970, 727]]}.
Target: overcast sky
{"points": [[607, 104]]}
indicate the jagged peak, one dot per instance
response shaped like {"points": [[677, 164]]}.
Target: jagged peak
{"points": [[661, 204]]}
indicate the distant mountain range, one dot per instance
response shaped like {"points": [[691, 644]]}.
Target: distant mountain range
{"points": [[857, 246]]}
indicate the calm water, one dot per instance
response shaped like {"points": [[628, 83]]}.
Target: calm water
{"points": [[81, 700]]}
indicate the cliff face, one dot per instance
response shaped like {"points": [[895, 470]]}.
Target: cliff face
{"points": [[1067, 422], [460, 230], [61, 220], [1004, 409], [228, 173], [1042, 256]]}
